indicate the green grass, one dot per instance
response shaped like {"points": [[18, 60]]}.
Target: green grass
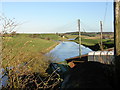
{"points": [[94, 44], [109, 41], [50, 36], [71, 36], [42, 36], [32, 44], [93, 41], [22, 49]]}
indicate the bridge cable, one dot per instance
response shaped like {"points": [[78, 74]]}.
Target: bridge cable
{"points": [[104, 19]]}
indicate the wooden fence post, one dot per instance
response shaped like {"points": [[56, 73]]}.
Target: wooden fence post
{"points": [[117, 41], [117, 27]]}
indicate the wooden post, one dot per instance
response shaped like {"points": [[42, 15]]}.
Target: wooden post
{"points": [[117, 41], [101, 36], [117, 27], [0, 50], [80, 49]]}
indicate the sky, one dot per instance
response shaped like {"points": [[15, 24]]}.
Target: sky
{"points": [[52, 17]]}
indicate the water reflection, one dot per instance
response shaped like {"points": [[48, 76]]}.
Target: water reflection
{"points": [[3, 78], [66, 49]]}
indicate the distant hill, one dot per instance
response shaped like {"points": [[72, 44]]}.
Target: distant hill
{"points": [[76, 33], [91, 34]]}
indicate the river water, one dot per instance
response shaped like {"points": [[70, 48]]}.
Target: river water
{"points": [[3, 78], [66, 49]]}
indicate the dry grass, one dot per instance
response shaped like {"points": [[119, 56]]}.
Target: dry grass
{"points": [[91, 37], [25, 64]]}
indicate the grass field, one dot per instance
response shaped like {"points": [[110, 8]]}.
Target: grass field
{"points": [[32, 44], [25, 55], [93, 42], [71, 36], [50, 36], [22, 49]]}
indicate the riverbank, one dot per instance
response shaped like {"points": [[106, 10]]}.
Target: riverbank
{"points": [[26, 55], [27, 46], [49, 48], [94, 44]]}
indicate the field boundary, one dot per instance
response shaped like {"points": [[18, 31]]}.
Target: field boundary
{"points": [[50, 48]]}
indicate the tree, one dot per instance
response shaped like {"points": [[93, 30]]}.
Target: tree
{"points": [[7, 25]]}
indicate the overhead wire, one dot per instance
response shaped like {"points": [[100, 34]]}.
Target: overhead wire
{"points": [[104, 18]]}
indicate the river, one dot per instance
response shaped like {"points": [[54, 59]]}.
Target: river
{"points": [[66, 49]]}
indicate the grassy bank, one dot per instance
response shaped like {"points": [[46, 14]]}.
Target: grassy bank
{"points": [[94, 41], [25, 56], [23, 46], [94, 44]]}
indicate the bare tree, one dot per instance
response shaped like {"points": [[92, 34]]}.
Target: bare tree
{"points": [[7, 25]]}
